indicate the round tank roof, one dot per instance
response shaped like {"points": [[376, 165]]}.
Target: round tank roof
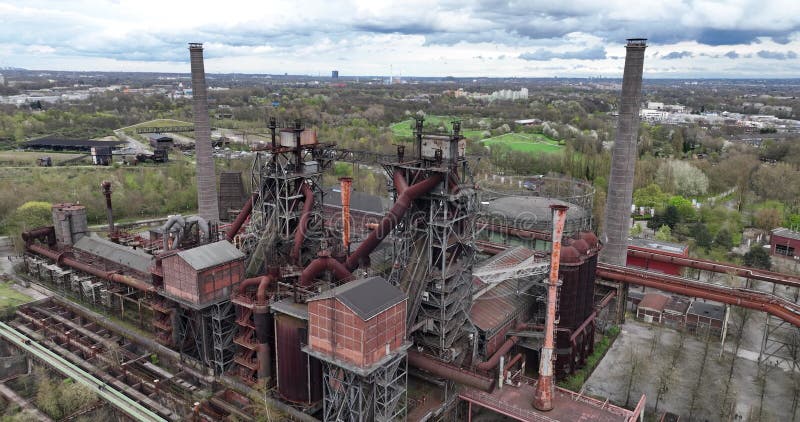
{"points": [[581, 246], [570, 255], [590, 238], [534, 213]]}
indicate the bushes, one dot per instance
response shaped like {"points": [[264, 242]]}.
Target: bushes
{"points": [[575, 381]]}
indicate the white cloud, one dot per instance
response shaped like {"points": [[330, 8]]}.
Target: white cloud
{"points": [[420, 37]]}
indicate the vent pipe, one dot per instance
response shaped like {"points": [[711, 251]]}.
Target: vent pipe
{"points": [[106, 186], [543, 397], [207, 202], [346, 185], [623, 158]]}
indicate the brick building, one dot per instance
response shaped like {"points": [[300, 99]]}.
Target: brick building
{"points": [[359, 322], [657, 246], [204, 274], [785, 242]]}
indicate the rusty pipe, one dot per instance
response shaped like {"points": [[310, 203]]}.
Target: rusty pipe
{"points": [[450, 372], [62, 258], [106, 186], [747, 299], [47, 234], [543, 396], [407, 195], [518, 357], [493, 361], [706, 265], [320, 265], [346, 185], [240, 219], [302, 226]]}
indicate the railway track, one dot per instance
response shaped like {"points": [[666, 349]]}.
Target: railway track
{"points": [[109, 357], [107, 392]]}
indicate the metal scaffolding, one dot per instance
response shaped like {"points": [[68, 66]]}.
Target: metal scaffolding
{"points": [[380, 395], [435, 246], [223, 328], [781, 344]]}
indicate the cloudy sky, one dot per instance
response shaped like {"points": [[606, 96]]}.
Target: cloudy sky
{"points": [[523, 38]]}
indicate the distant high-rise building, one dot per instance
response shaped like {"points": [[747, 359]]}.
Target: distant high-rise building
{"points": [[335, 74], [2, 80]]}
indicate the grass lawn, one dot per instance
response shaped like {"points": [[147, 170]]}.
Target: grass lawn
{"points": [[11, 298], [28, 158], [161, 123], [526, 142], [405, 128]]}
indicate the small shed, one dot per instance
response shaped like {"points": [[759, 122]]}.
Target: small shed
{"points": [[651, 308], [706, 317], [359, 322], [785, 242], [205, 274], [675, 311]]}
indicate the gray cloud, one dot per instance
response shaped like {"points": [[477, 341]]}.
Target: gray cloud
{"points": [[594, 53], [676, 55], [776, 55], [731, 55]]}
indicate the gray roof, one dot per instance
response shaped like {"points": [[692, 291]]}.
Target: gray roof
{"points": [[672, 247], [289, 307], [710, 310], [123, 255], [211, 255], [534, 213], [366, 297], [786, 233], [359, 201]]}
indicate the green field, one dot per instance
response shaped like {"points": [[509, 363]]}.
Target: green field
{"points": [[11, 298], [405, 129], [526, 142], [27, 158]]}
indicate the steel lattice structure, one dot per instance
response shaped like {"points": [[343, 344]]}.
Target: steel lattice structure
{"points": [[379, 395]]}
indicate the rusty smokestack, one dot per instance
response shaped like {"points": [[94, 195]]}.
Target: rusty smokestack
{"points": [[623, 158], [346, 185], [543, 397], [207, 206], [106, 186]]}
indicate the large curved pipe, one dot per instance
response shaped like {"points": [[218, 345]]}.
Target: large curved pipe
{"points": [[43, 234], [302, 226], [407, 195], [240, 219], [702, 264], [493, 361], [453, 373], [62, 258], [759, 301], [261, 320], [320, 265], [202, 224]]}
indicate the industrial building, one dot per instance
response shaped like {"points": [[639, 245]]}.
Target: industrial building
{"points": [[438, 305]]}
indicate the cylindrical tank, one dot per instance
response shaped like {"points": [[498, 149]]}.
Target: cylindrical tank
{"points": [[299, 375]]}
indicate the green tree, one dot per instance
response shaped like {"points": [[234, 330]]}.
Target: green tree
{"points": [[650, 196], [702, 236], [723, 239], [664, 234], [757, 257], [671, 216]]}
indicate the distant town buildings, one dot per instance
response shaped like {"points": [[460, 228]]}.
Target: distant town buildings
{"points": [[2, 80], [676, 114], [504, 94]]}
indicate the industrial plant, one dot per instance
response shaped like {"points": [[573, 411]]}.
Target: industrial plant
{"points": [[467, 298]]}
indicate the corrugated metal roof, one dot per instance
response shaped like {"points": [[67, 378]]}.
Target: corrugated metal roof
{"points": [[654, 301], [677, 305], [123, 255], [786, 233], [660, 245], [499, 305], [211, 255], [366, 297], [289, 307], [709, 310]]}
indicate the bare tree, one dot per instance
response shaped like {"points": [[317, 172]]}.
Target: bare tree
{"points": [[634, 370]]}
